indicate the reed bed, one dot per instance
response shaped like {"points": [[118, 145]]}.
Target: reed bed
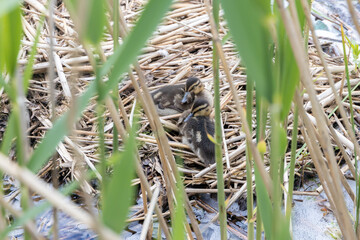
{"points": [[181, 47]]}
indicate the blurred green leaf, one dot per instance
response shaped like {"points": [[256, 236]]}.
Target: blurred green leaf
{"points": [[10, 32], [118, 194], [179, 216], [9, 135], [122, 58], [248, 23], [301, 14], [8, 5], [283, 141], [264, 203], [89, 16], [283, 232], [287, 69], [289, 78]]}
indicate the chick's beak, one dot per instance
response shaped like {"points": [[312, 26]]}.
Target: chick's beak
{"points": [[184, 100], [188, 117]]}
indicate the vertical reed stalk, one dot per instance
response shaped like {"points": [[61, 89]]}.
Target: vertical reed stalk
{"points": [[259, 226], [218, 131], [292, 163], [54, 173], [324, 139], [261, 117], [249, 165], [353, 128], [275, 158], [115, 93]]}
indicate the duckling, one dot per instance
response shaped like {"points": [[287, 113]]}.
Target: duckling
{"points": [[195, 125], [195, 87], [173, 99]]}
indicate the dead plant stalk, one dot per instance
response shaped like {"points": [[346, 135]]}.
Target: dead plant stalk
{"points": [[240, 110], [324, 139]]}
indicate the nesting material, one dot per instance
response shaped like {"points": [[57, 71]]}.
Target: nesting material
{"points": [[180, 48]]}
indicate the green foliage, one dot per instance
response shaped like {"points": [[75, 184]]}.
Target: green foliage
{"points": [[118, 194], [247, 22], [355, 51], [264, 203], [249, 162], [7, 6], [288, 75], [179, 216], [218, 129], [9, 136], [90, 18], [292, 164], [283, 143], [10, 32], [260, 37]]}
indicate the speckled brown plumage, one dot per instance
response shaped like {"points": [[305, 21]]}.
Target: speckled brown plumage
{"points": [[195, 131], [171, 99]]}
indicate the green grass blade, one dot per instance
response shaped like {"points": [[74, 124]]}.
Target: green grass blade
{"points": [[8, 6], [179, 216], [252, 40], [289, 76], [118, 194], [218, 131], [287, 69], [122, 58], [264, 203], [91, 23], [283, 232], [10, 32], [249, 161], [9, 135], [115, 94]]}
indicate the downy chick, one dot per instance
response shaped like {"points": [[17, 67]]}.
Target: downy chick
{"points": [[173, 99], [195, 125]]}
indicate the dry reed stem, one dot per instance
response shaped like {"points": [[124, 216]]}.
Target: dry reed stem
{"points": [[324, 139], [240, 110], [189, 50], [148, 217], [330, 78]]}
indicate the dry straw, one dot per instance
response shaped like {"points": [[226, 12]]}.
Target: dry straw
{"points": [[180, 48]]}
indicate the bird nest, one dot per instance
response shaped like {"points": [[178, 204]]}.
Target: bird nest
{"points": [[180, 48]]}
